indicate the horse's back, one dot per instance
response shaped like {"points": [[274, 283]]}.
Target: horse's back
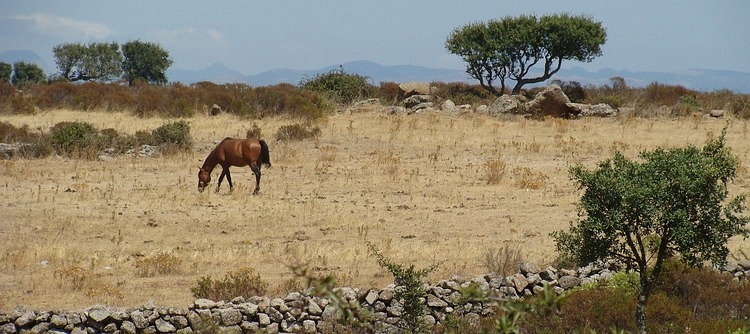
{"points": [[239, 151]]}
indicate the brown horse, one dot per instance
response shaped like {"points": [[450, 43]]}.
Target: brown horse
{"points": [[235, 152]]}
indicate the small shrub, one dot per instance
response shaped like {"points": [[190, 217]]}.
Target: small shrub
{"points": [[526, 178], [159, 264], [104, 293], [74, 139], [410, 291], [243, 282], [494, 171], [572, 90], [503, 260], [254, 132], [74, 277], [173, 135], [626, 282], [297, 132]]}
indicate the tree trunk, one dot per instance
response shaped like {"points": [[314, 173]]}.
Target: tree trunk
{"points": [[640, 313]]}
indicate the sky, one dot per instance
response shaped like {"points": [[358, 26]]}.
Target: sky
{"points": [[256, 36]]}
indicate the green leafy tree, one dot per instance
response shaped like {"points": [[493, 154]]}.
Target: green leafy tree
{"points": [[144, 61], [103, 61], [6, 70], [26, 73], [641, 213], [509, 48], [97, 61], [68, 58]]}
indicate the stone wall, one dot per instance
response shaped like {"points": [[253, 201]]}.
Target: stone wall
{"points": [[300, 312]]}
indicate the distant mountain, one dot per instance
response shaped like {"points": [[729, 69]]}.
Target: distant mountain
{"points": [[216, 73], [12, 56], [697, 79]]}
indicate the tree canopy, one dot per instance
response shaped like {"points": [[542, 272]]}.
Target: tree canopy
{"points": [[6, 70], [144, 61], [641, 213], [97, 61], [27, 73], [509, 48]]}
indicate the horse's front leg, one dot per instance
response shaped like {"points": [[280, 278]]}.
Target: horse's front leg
{"points": [[221, 178], [256, 171]]}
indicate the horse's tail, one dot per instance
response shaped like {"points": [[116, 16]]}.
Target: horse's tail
{"points": [[265, 157]]}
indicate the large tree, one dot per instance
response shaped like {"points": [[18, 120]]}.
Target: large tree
{"points": [[6, 70], [27, 73], [144, 61], [672, 203], [97, 61], [509, 48]]}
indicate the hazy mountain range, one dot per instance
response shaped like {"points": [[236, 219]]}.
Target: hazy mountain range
{"points": [[697, 79]]}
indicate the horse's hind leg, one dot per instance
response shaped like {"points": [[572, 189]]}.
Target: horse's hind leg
{"points": [[229, 179], [256, 171]]}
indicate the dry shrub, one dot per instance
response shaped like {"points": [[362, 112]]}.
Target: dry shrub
{"points": [[388, 162], [526, 178], [494, 171], [328, 153], [162, 263], [297, 132], [389, 91], [103, 293], [504, 260], [244, 282], [254, 131], [706, 291], [73, 277], [463, 93]]}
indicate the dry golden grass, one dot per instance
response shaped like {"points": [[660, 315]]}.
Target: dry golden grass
{"points": [[415, 186]]}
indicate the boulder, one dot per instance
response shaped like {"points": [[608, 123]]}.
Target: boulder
{"points": [[511, 104], [600, 110], [717, 113], [416, 88], [552, 101], [415, 100], [215, 110]]}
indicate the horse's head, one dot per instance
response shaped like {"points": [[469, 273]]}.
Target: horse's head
{"points": [[204, 178]]}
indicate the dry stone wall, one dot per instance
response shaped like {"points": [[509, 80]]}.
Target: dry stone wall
{"points": [[300, 312]]}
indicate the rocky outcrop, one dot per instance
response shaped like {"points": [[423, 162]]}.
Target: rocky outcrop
{"points": [[416, 88], [552, 101], [599, 110]]}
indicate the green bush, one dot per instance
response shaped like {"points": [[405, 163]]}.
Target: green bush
{"points": [[244, 282], [173, 135], [75, 139], [340, 86], [410, 291], [572, 90]]}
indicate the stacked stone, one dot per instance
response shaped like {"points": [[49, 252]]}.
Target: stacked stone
{"points": [[300, 312]]}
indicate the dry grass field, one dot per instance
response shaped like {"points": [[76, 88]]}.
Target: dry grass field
{"points": [[425, 188]]}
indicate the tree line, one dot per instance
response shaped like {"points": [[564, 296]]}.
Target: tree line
{"points": [[101, 62]]}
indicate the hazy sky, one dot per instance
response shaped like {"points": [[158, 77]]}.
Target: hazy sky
{"points": [[255, 36]]}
